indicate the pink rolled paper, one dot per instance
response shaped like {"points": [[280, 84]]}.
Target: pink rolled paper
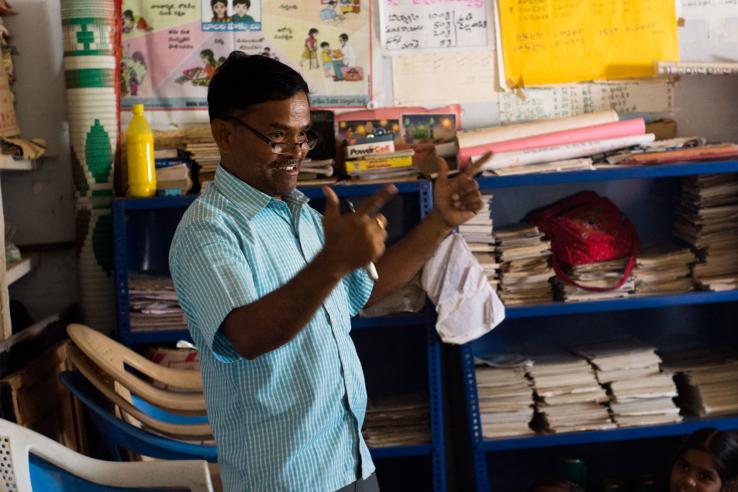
{"points": [[605, 131]]}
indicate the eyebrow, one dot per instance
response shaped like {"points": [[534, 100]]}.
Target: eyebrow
{"points": [[279, 126]]}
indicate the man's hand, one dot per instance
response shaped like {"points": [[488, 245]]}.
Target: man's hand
{"points": [[458, 200], [353, 240]]}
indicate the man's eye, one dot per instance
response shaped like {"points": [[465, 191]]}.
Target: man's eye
{"points": [[277, 136], [707, 477]]}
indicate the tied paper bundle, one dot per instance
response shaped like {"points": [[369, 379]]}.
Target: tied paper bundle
{"points": [[467, 306]]}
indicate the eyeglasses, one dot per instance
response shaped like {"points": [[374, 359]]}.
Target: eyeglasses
{"points": [[310, 142]]}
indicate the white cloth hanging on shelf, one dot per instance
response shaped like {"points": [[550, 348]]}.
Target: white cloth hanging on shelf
{"points": [[466, 304]]}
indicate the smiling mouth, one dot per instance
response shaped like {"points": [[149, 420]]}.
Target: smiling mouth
{"points": [[289, 166]]}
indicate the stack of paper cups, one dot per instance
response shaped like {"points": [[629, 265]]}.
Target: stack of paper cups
{"points": [[89, 28]]}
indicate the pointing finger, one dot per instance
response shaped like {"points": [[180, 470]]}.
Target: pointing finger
{"points": [[474, 168], [332, 207], [372, 205]]}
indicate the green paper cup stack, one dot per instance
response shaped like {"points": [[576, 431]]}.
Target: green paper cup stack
{"points": [[89, 28]]}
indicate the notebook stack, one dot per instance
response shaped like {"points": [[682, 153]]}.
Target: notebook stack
{"points": [[154, 304], [207, 156], [505, 396], [478, 233], [640, 393], [397, 421], [707, 219], [316, 171], [603, 274], [569, 398], [664, 270], [707, 382], [525, 271]]}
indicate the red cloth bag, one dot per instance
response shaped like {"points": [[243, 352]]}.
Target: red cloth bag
{"points": [[587, 228]]}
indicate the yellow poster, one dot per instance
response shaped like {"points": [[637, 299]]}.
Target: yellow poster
{"points": [[561, 41]]}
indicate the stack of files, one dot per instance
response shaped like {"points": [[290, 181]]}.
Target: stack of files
{"points": [[640, 393], [316, 171], [525, 271], [207, 156], [174, 177], [154, 304], [707, 219], [569, 398], [551, 144], [402, 420], [581, 164], [707, 381], [664, 270], [479, 235], [505, 395], [602, 274]]}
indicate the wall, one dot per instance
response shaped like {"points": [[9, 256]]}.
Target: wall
{"points": [[41, 202]]}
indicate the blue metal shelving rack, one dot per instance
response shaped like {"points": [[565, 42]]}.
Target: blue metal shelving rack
{"points": [[480, 446], [435, 451]]}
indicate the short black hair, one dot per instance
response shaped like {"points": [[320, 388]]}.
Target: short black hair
{"points": [[213, 2], [245, 80], [242, 2], [324, 44], [721, 445], [343, 36], [128, 13]]}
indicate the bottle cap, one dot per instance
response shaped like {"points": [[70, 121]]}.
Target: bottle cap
{"points": [[138, 108]]}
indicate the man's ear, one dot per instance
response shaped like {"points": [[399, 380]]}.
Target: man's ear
{"points": [[223, 134]]}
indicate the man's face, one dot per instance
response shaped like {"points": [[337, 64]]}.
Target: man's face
{"points": [[240, 8], [252, 159], [342, 41], [127, 22]]}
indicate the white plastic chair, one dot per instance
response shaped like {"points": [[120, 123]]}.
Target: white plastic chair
{"points": [[18, 443]]}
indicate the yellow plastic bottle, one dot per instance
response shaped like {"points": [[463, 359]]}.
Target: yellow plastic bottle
{"points": [[140, 155]]}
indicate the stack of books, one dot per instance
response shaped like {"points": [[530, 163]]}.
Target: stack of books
{"points": [[374, 157], [569, 398], [505, 395], [316, 172], [173, 178], [397, 421], [706, 380], [479, 235], [664, 270], [207, 156], [524, 253], [153, 303], [602, 274], [641, 394], [707, 219]]}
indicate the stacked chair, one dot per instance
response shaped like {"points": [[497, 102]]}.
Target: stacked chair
{"points": [[137, 405], [32, 462]]}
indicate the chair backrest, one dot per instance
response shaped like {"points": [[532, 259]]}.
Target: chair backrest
{"points": [[112, 358], [29, 459], [118, 433], [146, 415]]}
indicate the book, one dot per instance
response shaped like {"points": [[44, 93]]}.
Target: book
{"points": [[379, 144], [375, 162]]}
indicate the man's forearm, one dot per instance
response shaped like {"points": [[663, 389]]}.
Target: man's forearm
{"points": [[270, 322], [403, 260]]}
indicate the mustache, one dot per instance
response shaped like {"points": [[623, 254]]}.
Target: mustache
{"points": [[285, 163]]}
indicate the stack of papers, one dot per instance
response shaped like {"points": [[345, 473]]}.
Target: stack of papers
{"points": [[525, 271], [603, 274], [154, 304], [316, 172], [397, 421], [478, 234], [505, 395], [707, 219], [631, 370], [569, 398], [707, 381], [664, 270]]}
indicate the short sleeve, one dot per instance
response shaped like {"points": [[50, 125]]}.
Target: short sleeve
{"points": [[358, 285], [212, 278]]}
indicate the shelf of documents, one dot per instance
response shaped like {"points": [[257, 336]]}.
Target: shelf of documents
{"points": [[612, 435], [635, 302], [18, 269], [610, 173]]}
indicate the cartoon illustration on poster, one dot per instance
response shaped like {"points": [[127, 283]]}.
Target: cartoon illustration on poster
{"points": [[171, 50]]}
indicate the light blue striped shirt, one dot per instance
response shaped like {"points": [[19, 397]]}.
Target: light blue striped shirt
{"points": [[289, 419]]}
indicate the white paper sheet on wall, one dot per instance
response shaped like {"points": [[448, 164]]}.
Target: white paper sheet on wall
{"points": [[708, 9], [414, 25], [709, 40], [570, 100], [441, 78]]}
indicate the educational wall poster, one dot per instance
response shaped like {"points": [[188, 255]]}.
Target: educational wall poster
{"points": [[436, 78], [561, 41], [556, 102], [171, 49], [413, 25], [708, 9]]}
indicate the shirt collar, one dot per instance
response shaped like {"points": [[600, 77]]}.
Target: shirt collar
{"points": [[248, 197]]}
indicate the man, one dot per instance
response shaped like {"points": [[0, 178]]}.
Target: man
{"points": [[349, 55], [268, 287]]}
